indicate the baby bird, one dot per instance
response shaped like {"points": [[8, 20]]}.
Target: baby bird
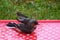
{"points": [[27, 25]]}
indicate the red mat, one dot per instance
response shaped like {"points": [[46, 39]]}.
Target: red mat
{"points": [[46, 30]]}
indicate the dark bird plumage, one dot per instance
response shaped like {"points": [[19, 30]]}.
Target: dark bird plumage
{"points": [[27, 25]]}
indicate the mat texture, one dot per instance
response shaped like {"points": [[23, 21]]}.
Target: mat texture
{"points": [[46, 30]]}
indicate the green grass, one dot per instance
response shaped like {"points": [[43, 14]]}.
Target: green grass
{"points": [[38, 9]]}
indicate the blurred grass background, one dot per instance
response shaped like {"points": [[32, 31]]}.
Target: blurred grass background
{"points": [[38, 9]]}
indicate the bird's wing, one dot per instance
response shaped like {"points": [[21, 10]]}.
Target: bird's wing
{"points": [[21, 15], [22, 18]]}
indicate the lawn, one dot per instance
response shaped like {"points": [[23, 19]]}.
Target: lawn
{"points": [[38, 9]]}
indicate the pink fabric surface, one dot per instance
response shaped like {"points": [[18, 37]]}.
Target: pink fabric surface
{"points": [[46, 30]]}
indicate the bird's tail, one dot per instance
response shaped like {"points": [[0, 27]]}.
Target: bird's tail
{"points": [[12, 24]]}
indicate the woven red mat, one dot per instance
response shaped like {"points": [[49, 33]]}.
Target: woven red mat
{"points": [[46, 30]]}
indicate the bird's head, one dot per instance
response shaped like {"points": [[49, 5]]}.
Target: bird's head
{"points": [[33, 22]]}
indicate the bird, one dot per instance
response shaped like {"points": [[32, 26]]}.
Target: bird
{"points": [[27, 25]]}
